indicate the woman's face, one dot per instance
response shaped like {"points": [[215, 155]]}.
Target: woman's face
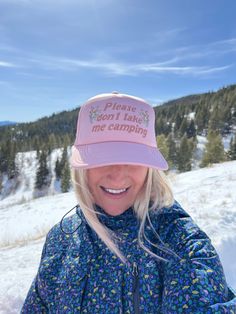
{"points": [[116, 187]]}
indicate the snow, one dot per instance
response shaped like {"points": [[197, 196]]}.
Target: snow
{"points": [[226, 140], [207, 194], [199, 152], [27, 163], [32, 220], [191, 116]]}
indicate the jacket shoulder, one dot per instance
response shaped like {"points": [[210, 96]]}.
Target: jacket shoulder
{"points": [[167, 215], [175, 210], [198, 273], [60, 235], [179, 232]]}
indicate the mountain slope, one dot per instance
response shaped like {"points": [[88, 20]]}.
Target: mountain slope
{"points": [[60, 127]]}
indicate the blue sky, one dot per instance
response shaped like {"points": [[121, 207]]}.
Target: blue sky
{"points": [[55, 54]]}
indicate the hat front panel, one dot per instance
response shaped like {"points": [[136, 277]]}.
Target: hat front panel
{"points": [[114, 119]]}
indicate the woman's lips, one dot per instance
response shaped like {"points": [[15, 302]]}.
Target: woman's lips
{"points": [[114, 192]]}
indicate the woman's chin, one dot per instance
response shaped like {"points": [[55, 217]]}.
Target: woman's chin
{"points": [[114, 211]]}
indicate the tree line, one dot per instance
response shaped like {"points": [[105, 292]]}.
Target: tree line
{"points": [[180, 154], [178, 123]]}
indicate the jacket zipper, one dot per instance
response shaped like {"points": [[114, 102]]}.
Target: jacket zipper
{"points": [[136, 289], [84, 290]]}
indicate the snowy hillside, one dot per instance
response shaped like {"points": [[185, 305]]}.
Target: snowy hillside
{"points": [[27, 164], [207, 194], [23, 188]]}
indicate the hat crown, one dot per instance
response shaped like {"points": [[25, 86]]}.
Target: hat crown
{"points": [[116, 117], [116, 129]]}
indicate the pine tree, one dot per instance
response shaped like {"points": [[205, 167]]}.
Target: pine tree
{"points": [[172, 151], [4, 152], [191, 129], [12, 171], [185, 153], [183, 127], [202, 116], [64, 157], [60, 163], [65, 180], [162, 145], [58, 169], [1, 184], [7, 159], [216, 123], [159, 128], [36, 145], [11, 167], [52, 141], [214, 151], [232, 149], [67, 140], [178, 121], [42, 174]]}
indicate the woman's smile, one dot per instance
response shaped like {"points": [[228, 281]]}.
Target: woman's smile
{"points": [[114, 191]]}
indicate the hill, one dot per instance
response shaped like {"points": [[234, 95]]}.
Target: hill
{"points": [[182, 126], [213, 109]]}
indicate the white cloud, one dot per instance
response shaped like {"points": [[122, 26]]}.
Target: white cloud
{"points": [[126, 69], [209, 70], [224, 46], [213, 49], [6, 64], [230, 41]]}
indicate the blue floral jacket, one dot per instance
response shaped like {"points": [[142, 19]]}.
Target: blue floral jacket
{"points": [[79, 274]]}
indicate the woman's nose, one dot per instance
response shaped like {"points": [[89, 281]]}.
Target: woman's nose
{"points": [[117, 172]]}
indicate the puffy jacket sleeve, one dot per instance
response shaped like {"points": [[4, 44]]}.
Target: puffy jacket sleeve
{"points": [[194, 282], [34, 302], [46, 288], [42, 289]]}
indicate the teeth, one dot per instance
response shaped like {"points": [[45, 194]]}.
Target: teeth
{"points": [[112, 191]]}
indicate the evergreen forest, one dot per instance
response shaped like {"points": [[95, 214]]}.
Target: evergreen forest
{"points": [[178, 122]]}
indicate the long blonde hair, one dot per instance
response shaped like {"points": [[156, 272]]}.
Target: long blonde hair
{"points": [[155, 194]]}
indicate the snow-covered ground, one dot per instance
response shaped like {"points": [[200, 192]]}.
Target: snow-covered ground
{"points": [[207, 194]]}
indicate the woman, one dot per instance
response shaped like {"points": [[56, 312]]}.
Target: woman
{"points": [[130, 248]]}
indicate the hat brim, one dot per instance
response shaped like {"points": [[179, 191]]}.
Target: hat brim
{"points": [[114, 153]]}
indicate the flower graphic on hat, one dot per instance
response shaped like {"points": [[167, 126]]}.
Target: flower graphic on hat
{"points": [[145, 117], [93, 114]]}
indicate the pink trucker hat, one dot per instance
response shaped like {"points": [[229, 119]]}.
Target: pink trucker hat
{"points": [[116, 129]]}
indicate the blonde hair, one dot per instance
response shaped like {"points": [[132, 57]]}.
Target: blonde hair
{"points": [[155, 194]]}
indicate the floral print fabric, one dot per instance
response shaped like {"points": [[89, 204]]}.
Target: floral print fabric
{"points": [[79, 274]]}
